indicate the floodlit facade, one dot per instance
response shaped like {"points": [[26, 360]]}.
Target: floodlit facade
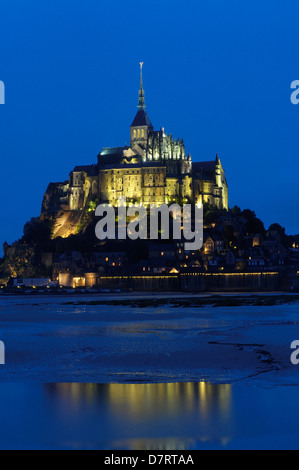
{"points": [[155, 169]]}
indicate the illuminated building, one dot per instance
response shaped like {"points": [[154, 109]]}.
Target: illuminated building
{"points": [[155, 169]]}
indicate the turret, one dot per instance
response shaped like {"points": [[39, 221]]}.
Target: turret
{"points": [[218, 168]]}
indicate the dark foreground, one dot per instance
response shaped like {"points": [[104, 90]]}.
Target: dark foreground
{"points": [[173, 375]]}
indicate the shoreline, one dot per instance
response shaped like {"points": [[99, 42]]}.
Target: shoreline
{"points": [[157, 299]]}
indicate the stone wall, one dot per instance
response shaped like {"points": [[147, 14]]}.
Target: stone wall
{"points": [[230, 282], [141, 283]]}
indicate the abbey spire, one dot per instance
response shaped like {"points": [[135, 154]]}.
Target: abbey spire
{"points": [[141, 102], [141, 126]]}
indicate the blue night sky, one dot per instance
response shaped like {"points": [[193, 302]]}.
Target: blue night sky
{"points": [[217, 73]]}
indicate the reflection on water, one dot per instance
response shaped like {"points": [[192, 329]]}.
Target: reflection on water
{"points": [[148, 400], [154, 417], [147, 416]]}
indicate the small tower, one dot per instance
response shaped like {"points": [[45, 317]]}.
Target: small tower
{"points": [[221, 183], [218, 168], [141, 125]]}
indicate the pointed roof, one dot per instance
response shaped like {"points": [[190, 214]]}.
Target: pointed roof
{"points": [[141, 118]]}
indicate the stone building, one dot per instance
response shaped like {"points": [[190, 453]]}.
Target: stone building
{"points": [[155, 169]]}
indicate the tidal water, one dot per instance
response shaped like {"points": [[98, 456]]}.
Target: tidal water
{"points": [[79, 375], [176, 416]]}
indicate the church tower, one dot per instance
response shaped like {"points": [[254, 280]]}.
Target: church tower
{"points": [[141, 125]]}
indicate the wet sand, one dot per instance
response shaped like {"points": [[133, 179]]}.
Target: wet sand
{"points": [[84, 373], [79, 339]]}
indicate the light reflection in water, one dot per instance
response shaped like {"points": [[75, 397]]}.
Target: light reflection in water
{"points": [[147, 416]]}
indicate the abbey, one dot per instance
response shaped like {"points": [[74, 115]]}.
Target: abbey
{"points": [[154, 169]]}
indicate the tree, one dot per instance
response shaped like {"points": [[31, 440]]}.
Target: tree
{"points": [[277, 228], [248, 214], [37, 231], [236, 210], [285, 240], [22, 263], [210, 213], [254, 226]]}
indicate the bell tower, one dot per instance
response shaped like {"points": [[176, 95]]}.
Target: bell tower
{"points": [[141, 125]]}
